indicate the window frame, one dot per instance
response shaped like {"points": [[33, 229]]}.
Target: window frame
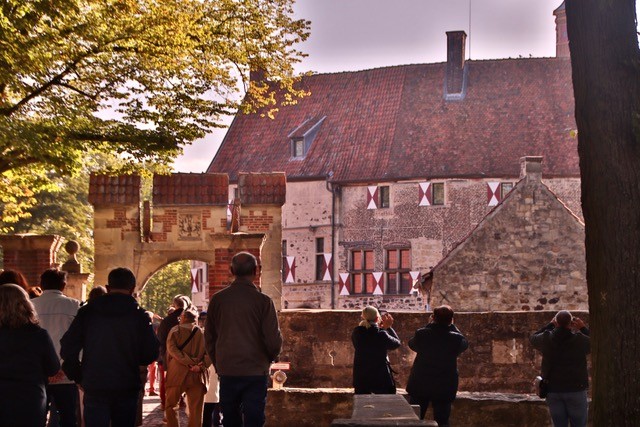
{"points": [[399, 271], [319, 259], [433, 194], [384, 202], [364, 273], [504, 194]]}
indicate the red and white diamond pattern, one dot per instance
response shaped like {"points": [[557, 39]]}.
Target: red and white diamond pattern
{"points": [[372, 197], [290, 272], [377, 276], [327, 267], [344, 284], [424, 194], [493, 193]]}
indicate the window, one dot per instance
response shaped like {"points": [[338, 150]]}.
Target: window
{"points": [[505, 187], [383, 194], [319, 258], [398, 266], [302, 137], [284, 260], [298, 147], [362, 272], [437, 191]]}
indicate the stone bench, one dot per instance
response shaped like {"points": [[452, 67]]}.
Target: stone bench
{"points": [[382, 410]]}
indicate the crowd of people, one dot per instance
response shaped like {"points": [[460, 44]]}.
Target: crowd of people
{"points": [[66, 363], [433, 380]]}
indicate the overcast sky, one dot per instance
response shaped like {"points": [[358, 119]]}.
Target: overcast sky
{"points": [[349, 35]]}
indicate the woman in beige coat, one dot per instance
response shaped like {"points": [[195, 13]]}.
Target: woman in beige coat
{"points": [[186, 369]]}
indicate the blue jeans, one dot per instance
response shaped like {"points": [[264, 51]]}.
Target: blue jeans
{"points": [[65, 402], [115, 410], [565, 407], [243, 398]]}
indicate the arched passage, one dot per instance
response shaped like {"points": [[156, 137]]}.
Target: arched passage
{"points": [[187, 219]]}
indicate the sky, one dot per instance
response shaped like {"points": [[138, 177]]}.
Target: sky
{"points": [[350, 35]]}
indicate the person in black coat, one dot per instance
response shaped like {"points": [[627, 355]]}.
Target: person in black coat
{"points": [[115, 337], [434, 374], [27, 358], [564, 368], [371, 340]]}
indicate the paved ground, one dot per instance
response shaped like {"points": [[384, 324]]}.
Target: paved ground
{"points": [[152, 414]]}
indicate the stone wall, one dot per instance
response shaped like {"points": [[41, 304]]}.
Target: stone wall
{"points": [[318, 407], [429, 231], [499, 358], [527, 254]]}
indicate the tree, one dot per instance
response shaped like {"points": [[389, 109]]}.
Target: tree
{"points": [[159, 291], [606, 77], [140, 78]]}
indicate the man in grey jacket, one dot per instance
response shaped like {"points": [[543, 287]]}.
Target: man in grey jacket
{"points": [[242, 338]]}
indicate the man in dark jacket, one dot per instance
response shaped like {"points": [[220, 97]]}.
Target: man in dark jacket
{"points": [[242, 338], [434, 374], [115, 337], [564, 368]]}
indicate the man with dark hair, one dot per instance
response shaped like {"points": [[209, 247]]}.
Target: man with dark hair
{"points": [[115, 336], [564, 368], [56, 312], [434, 374], [242, 337]]}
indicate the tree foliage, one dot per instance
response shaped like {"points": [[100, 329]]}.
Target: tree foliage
{"points": [[139, 78], [62, 207], [159, 291], [605, 60]]}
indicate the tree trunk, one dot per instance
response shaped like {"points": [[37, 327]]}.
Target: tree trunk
{"points": [[606, 78]]}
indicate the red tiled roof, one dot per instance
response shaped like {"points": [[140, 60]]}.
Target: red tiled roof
{"points": [[262, 188], [114, 190], [393, 123], [191, 189]]}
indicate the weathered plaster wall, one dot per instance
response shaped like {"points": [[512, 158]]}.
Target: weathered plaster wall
{"points": [[528, 254], [499, 358]]}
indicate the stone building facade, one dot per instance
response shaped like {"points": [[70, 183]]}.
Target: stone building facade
{"points": [[389, 169], [526, 254]]}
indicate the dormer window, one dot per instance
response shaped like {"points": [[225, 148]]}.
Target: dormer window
{"points": [[302, 137]]}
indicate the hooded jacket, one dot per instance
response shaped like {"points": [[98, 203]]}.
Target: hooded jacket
{"points": [[116, 337]]}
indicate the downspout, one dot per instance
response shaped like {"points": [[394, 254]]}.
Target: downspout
{"points": [[330, 187]]}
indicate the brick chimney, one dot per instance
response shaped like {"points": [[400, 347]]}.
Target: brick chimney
{"points": [[455, 81], [562, 38], [531, 168]]}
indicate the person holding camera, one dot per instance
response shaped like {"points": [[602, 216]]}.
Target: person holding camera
{"points": [[434, 374], [371, 339], [564, 344]]}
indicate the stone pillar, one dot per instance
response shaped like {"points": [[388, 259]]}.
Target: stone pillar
{"points": [[116, 222], [30, 254], [262, 196], [76, 280]]}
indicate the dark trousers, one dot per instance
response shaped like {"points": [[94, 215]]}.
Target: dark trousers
{"points": [[114, 410], [211, 415], [64, 399], [441, 409], [243, 400]]}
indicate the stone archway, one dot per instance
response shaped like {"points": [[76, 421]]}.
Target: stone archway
{"points": [[187, 219]]}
